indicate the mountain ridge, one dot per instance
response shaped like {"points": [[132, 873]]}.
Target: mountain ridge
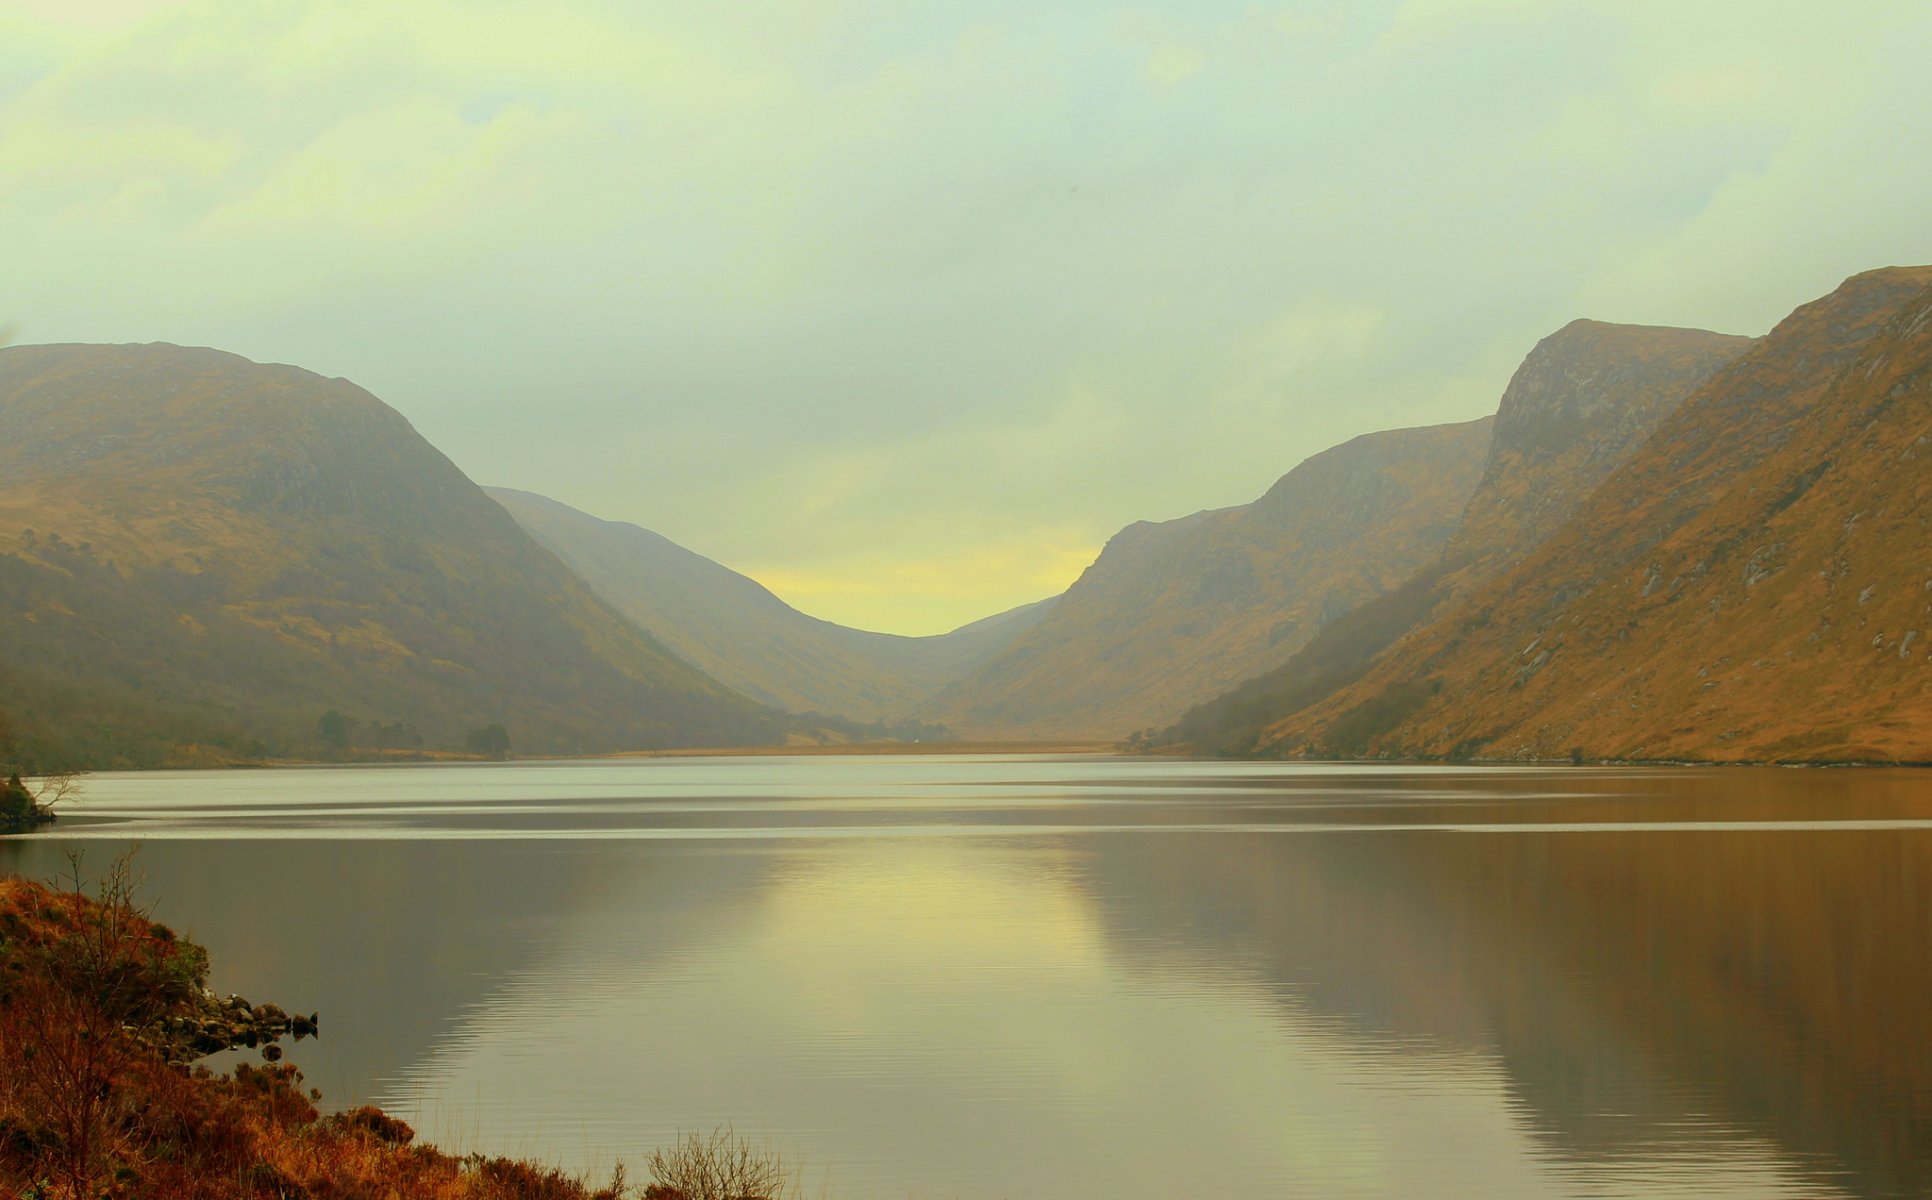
{"points": [[1582, 400], [1701, 604], [1173, 612]]}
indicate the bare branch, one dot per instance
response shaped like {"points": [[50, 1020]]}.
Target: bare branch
{"points": [[56, 787], [723, 1166]]}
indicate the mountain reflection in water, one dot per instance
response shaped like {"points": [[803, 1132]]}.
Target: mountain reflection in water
{"points": [[1078, 977]]}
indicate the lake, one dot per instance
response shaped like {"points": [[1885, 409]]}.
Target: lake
{"points": [[1028, 976]]}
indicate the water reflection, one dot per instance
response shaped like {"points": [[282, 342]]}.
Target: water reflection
{"points": [[1014, 977]]}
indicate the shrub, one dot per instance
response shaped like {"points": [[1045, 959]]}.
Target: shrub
{"points": [[718, 1166], [373, 1120]]}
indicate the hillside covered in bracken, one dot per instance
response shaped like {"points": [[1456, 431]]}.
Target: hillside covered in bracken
{"points": [[1751, 584]]}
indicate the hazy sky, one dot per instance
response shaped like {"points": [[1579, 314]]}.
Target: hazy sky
{"points": [[904, 308]]}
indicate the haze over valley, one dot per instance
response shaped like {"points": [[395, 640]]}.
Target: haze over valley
{"points": [[765, 601]]}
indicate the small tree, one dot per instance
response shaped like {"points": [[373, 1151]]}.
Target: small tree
{"points": [[491, 741], [17, 809], [56, 786], [25, 804], [333, 729]]}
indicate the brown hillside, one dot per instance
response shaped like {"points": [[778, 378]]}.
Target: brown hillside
{"points": [[1172, 613], [1754, 583], [1581, 402], [739, 633], [196, 547]]}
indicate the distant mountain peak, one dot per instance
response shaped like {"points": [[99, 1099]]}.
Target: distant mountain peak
{"points": [[1581, 401], [739, 631]]}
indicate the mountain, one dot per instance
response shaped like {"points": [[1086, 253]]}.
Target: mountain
{"points": [[199, 548], [1582, 401], [1754, 583], [737, 632], [1172, 613]]}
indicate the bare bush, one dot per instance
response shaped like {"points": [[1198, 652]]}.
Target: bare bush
{"points": [[718, 1166]]}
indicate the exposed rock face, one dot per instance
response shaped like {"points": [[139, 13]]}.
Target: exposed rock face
{"points": [[1753, 583], [196, 547], [736, 631], [1586, 397], [1172, 613], [1581, 402]]}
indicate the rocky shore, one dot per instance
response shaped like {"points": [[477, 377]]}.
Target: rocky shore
{"points": [[213, 1024]]}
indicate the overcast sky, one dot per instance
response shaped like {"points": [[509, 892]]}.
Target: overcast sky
{"points": [[904, 308]]}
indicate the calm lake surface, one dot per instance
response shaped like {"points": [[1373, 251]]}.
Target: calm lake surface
{"points": [[1088, 977]]}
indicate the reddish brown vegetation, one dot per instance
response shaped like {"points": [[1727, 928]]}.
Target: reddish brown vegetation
{"points": [[91, 1106]]}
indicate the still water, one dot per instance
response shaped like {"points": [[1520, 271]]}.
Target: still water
{"points": [[1018, 976]]}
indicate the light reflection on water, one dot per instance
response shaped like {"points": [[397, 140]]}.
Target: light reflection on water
{"points": [[1021, 976]]}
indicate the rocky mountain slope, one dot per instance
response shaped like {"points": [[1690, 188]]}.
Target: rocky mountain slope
{"points": [[1755, 582], [1172, 613], [1582, 401], [736, 631], [198, 548]]}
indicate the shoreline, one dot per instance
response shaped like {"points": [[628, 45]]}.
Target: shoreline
{"points": [[874, 749], [1066, 747]]}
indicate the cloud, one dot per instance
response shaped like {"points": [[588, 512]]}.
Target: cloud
{"points": [[395, 173], [837, 289], [1169, 65]]}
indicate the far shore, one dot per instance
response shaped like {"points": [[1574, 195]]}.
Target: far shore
{"points": [[1066, 746], [870, 748], [810, 749]]}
